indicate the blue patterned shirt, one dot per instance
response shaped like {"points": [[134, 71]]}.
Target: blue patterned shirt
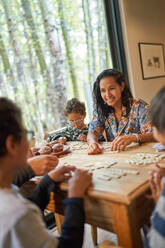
{"points": [[136, 122]]}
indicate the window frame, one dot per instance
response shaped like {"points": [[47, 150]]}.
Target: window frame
{"points": [[115, 37]]}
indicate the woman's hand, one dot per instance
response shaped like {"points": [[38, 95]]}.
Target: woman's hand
{"points": [[156, 183], [79, 183], [95, 148], [120, 143], [62, 140], [82, 137], [61, 173]]}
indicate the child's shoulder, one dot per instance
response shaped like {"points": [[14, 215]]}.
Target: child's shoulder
{"points": [[13, 207]]}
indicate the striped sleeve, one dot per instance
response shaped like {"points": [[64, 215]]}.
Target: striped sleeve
{"points": [[157, 233]]}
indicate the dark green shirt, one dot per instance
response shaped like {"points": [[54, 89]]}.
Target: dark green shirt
{"points": [[69, 132]]}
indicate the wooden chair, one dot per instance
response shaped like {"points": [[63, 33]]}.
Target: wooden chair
{"points": [[32, 142], [94, 234], [108, 244], [46, 135]]}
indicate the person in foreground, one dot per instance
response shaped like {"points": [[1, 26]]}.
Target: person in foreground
{"points": [[156, 236], [21, 222], [118, 116]]}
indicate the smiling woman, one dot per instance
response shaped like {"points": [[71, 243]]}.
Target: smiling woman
{"points": [[117, 115]]}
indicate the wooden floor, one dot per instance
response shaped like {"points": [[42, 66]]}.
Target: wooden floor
{"points": [[102, 236]]}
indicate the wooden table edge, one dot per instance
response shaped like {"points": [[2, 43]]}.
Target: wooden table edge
{"points": [[113, 196], [98, 194], [138, 191]]}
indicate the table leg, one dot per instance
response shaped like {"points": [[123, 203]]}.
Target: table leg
{"points": [[126, 227], [94, 234]]}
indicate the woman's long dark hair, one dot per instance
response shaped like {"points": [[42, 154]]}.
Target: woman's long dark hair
{"points": [[101, 108]]}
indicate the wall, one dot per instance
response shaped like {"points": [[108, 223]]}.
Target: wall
{"points": [[142, 21]]}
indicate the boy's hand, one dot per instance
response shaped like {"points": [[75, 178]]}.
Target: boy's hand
{"points": [[79, 183], [156, 183], [160, 170], [82, 137], [61, 173], [62, 140]]}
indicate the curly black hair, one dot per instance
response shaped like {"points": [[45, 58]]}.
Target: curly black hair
{"points": [[157, 110], [75, 106], [101, 108], [10, 122]]}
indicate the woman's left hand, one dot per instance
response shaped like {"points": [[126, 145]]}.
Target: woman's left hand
{"points": [[120, 143]]}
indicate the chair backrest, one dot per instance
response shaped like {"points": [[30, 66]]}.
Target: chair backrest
{"points": [[46, 136], [32, 142], [58, 130]]}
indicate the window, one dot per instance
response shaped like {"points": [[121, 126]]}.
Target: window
{"points": [[52, 50]]}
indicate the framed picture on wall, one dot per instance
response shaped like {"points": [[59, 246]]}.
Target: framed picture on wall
{"points": [[152, 60]]}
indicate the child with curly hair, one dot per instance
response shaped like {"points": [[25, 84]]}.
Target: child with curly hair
{"points": [[76, 129]]}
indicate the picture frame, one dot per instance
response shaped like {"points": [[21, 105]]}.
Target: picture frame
{"points": [[152, 60]]}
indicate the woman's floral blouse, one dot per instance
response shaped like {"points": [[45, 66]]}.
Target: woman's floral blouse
{"points": [[136, 122]]}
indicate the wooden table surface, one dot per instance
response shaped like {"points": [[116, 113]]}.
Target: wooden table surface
{"points": [[123, 189], [118, 205]]}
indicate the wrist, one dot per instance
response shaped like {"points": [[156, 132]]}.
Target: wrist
{"points": [[134, 138], [30, 170], [52, 176], [138, 138], [33, 168], [93, 143], [75, 194]]}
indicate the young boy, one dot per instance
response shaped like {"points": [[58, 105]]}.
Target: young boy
{"points": [[157, 232], [77, 130], [21, 222]]}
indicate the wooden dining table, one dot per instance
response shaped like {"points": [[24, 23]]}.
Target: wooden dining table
{"points": [[120, 205]]}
